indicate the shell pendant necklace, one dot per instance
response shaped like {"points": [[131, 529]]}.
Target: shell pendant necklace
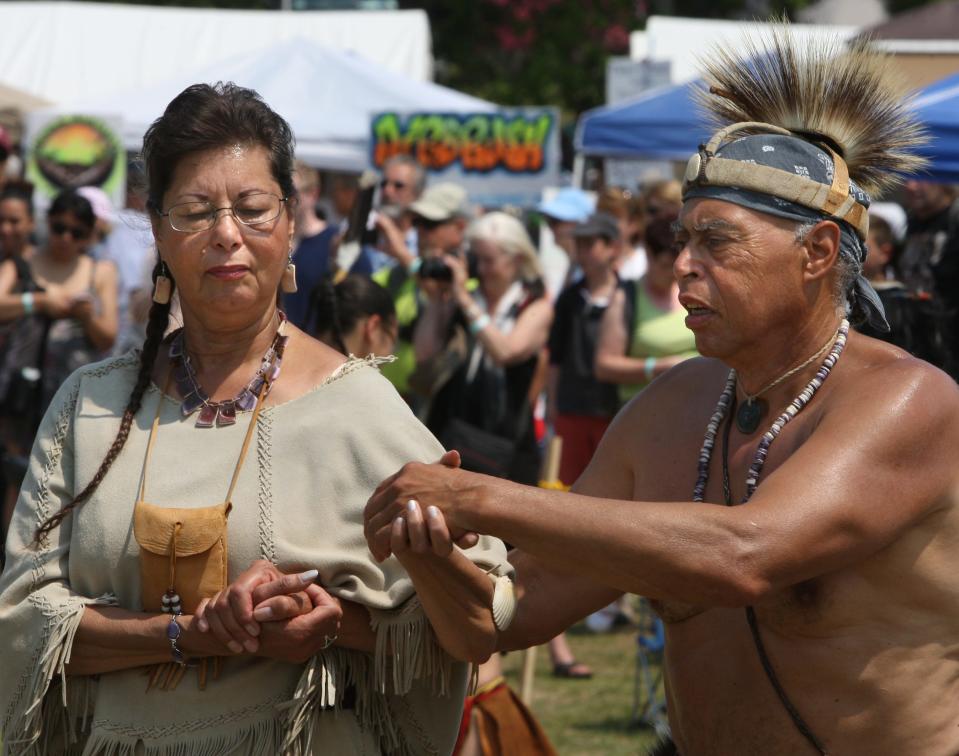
{"points": [[751, 412]]}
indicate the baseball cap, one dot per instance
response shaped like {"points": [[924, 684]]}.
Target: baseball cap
{"points": [[441, 202], [568, 204], [598, 224], [98, 199]]}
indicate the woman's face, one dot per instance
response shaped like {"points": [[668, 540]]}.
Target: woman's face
{"points": [[16, 225], [494, 266], [229, 272], [659, 269], [69, 236]]}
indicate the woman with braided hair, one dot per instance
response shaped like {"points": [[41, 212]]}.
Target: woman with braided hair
{"points": [[142, 611]]}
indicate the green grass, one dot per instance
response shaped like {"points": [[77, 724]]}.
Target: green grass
{"points": [[588, 717]]}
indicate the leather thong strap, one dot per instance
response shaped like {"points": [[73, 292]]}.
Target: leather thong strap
{"points": [[243, 450]]}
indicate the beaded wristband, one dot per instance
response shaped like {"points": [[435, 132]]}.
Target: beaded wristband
{"points": [[26, 299], [173, 631], [479, 324], [649, 367]]}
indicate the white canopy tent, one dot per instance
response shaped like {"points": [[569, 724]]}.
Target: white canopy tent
{"points": [[328, 96], [683, 41], [69, 52]]}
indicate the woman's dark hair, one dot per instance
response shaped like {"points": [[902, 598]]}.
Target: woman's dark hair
{"points": [[338, 308], [204, 117], [201, 117], [660, 236], [71, 201], [21, 191]]}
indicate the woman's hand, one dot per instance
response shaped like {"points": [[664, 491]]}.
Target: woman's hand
{"points": [[460, 278], [303, 636], [229, 615], [428, 486]]}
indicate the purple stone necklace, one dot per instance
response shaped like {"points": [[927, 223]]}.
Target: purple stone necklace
{"points": [[224, 412]]}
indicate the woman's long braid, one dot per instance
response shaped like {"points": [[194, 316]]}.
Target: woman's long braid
{"points": [[156, 326]]}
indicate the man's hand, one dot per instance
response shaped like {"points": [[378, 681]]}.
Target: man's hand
{"points": [[229, 615], [435, 486]]}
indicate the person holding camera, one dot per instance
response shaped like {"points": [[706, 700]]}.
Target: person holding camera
{"points": [[490, 337], [439, 216]]}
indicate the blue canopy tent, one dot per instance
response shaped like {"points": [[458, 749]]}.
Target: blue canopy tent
{"points": [[666, 123], [663, 123], [938, 109]]}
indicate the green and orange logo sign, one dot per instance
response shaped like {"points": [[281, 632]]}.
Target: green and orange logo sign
{"points": [[73, 151], [476, 142]]}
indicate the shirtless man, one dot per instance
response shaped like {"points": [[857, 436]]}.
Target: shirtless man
{"points": [[849, 548]]}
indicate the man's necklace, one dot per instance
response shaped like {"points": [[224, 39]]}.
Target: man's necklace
{"points": [[753, 408], [224, 412], [726, 400], [794, 408]]}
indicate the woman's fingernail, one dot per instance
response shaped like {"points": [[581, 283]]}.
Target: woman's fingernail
{"points": [[432, 511], [309, 576], [412, 506], [251, 646], [252, 629], [201, 625], [263, 614], [235, 647]]}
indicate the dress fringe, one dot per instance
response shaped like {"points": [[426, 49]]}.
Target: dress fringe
{"points": [[37, 717]]}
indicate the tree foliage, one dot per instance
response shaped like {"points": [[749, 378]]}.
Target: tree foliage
{"points": [[552, 52]]}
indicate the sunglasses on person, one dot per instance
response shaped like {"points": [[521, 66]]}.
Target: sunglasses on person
{"points": [[426, 224], [76, 232]]}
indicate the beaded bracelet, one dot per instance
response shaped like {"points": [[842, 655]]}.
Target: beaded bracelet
{"points": [[649, 368], [26, 299], [479, 324], [173, 631]]}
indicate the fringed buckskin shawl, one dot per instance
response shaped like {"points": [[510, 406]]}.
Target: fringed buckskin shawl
{"points": [[299, 502]]}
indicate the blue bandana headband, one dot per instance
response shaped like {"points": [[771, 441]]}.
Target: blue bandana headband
{"points": [[781, 174]]}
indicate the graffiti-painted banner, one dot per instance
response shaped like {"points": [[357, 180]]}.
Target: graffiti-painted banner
{"points": [[504, 157]]}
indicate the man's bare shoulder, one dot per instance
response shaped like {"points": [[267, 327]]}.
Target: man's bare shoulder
{"points": [[683, 392], [889, 382]]}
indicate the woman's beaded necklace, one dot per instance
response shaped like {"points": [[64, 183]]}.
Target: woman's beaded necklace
{"points": [[224, 412]]}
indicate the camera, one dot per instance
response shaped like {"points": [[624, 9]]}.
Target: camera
{"points": [[435, 268]]}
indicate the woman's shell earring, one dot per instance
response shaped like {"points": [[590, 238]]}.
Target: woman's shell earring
{"points": [[163, 287], [288, 282]]}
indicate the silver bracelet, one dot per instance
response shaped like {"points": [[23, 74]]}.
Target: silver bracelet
{"points": [[173, 632]]}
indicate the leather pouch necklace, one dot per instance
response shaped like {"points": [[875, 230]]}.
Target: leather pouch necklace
{"points": [[183, 551]]}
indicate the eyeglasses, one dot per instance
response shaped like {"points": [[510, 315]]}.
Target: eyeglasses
{"points": [[392, 182], [251, 210], [77, 233]]}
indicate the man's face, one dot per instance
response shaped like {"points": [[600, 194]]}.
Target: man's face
{"points": [[594, 253], [740, 274], [398, 187], [563, 234], [439, 237], [924, 199]]}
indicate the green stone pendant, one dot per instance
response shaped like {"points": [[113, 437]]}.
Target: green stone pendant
{"points": [[749, 415]]}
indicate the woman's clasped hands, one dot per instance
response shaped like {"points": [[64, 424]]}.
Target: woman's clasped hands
{"points": [[268, 613]]}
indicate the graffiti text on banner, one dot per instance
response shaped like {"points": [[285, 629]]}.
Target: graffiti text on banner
{"points": [[475, 142]]}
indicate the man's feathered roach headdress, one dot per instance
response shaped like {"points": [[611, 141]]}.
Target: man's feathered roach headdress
{"points": [[845, 97], [844, 100]]}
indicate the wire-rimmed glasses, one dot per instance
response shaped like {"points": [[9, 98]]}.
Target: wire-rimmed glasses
{"points": [[250, 210]]}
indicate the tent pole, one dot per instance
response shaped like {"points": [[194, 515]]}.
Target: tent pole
{"points": [[579, 169]]}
